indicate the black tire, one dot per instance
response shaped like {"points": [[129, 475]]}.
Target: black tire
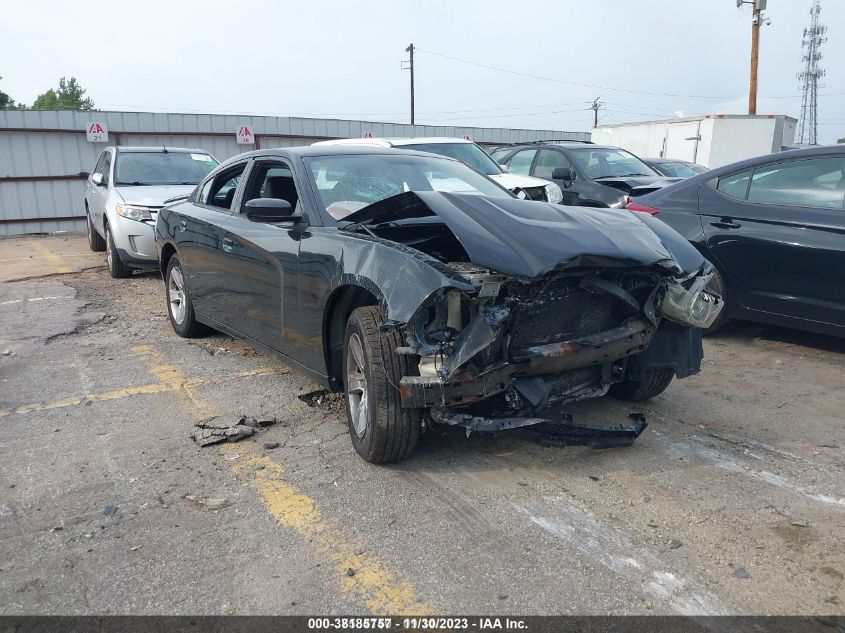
{"points": [[653, 383], [117, 268], [717, 284], [95, 240], [390, 433], [188, 326]]}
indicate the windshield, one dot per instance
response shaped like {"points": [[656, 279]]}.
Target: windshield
{"points": [[681, 170], [160, 168], [349, 182], [468, 153], [610, 163]]}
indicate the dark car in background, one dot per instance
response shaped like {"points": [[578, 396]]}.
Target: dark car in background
{"points": [[430, 294], [774, 227], [674, 167], [588, 175]]}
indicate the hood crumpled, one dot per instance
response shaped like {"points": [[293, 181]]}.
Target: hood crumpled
{"points": [[530, 239]]}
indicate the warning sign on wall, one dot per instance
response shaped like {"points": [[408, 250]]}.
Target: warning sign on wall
{"points": [[97, 132], [244, 135]]}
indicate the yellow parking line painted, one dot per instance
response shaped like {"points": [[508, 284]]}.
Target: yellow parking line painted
{"points": [[132, 391], [54, 259], [383, 592]]}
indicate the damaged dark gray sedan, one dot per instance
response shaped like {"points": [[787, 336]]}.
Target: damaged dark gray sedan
{"points": [[430, 295]]}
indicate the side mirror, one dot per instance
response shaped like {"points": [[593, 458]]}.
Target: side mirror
{"points": [[270, 210], [97, 179], [563, 173]]}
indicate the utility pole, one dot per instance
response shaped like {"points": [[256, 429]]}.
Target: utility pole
{"points": [[756, 23], [410, 66], [597, 104]]}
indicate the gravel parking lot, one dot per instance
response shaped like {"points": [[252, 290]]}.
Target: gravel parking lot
{"points": [[732, 501]]}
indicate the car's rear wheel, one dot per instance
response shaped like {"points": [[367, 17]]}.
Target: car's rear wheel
{"points": [[180, 308], [117, 268], [717, 284], [653, 383], [381, 430], [95, 240]]}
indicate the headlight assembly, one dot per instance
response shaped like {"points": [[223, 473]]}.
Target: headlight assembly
{"points": [[553, 193], [133, 212], [695, 306]]}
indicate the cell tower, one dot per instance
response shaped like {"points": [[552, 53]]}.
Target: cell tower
{"points": [[814, 37]]}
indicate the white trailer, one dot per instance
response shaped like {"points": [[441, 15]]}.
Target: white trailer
{"points": [[710, 140]]}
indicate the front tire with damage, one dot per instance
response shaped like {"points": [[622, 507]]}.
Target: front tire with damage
{"points": [[653, 383], [381, 430]]}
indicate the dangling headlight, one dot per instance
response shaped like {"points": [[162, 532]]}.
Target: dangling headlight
{"points": [[695, 306]]}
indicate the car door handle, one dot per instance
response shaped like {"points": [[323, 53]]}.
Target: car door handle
{"points": [[726, 223], [182, 226], [227, 244]]}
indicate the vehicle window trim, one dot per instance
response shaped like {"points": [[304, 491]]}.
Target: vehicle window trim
{"points": [[213, 176]]}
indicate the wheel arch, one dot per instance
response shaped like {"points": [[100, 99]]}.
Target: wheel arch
{"points": [[343, 300], [167, 251]]}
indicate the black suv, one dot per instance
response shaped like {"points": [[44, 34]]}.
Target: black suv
{"points": [[589, 175]]}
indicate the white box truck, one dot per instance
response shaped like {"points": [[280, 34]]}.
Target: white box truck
{"points": [[709, 140]]}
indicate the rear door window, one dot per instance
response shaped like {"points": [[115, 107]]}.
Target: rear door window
{"points": [[220, 191], [520, 163], [816, 182], [735, 185]]}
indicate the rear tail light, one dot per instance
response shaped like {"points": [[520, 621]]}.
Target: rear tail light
{"points": [[641, 208]]}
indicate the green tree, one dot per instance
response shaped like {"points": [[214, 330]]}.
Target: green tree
{"points": [[842, 140], [69, 96], [6, 102]]}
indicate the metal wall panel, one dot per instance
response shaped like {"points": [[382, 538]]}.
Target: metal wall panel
{"points": [[37, 146]]}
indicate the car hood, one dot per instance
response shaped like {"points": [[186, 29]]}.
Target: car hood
{"points": [[529, 239], [512, 181], [152, 195]]}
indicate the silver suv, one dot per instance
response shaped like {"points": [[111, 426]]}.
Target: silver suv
{"points": [[124, 193]]}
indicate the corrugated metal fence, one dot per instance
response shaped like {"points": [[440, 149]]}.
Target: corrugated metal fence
{"points": [[45, 156]]}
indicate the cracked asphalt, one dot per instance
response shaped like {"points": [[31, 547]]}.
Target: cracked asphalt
{"points": [[731, 502]]}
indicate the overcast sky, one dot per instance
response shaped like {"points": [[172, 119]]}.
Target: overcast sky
{"points": [[343, 59]]}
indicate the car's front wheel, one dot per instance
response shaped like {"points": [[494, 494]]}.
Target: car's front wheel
{"points": [[180, 308], [117, 268], [95, 240], [381, 430], [653, 383]]}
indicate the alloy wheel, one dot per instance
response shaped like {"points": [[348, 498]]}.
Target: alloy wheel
{"points": [[176, 296], [356, 385]]}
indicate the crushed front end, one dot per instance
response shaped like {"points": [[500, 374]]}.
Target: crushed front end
{"points": [[497, 358]]}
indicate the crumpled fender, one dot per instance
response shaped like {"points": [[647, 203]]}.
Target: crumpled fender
{"points": [[400, 277]]}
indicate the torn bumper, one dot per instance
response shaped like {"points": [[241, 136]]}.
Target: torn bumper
{"points": [[539, 364], [560, 432]]}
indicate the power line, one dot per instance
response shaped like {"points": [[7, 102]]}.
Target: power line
{"points": [[561, 81]]}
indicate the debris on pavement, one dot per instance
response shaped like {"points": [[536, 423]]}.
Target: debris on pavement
{"points": [[269, 446], [215, 430], [675, 544], [800, 523], [135, 548], [258, 423], [313, 398], [741, 572], [210, 503], [110, 510]]}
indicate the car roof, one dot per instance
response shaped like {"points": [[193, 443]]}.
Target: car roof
{"points": [[333, 150], [566, 144], [393, 142], [127, 149]]}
